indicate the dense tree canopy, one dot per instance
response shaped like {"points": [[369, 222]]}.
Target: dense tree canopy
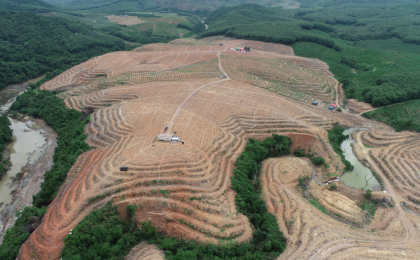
{"points": [[401, 116], [27, 5], [5, 137], [336, 137], [32, 45], [251, 21]]}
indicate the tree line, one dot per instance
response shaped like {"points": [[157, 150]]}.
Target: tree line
{"points": [[6, 136], [336, 137]]}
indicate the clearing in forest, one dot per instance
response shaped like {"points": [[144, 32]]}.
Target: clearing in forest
{"points": [[125, 19]]}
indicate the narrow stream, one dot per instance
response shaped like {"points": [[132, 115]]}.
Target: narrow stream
{"points": [[27, 147], [356, 177]]}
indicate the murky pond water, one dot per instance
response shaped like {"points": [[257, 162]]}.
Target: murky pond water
{"points": [[28, 146], [356, 178]]}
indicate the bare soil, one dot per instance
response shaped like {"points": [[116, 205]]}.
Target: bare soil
{"points": [[144, 251], [358, 107], [184, 189], [125, 20]]}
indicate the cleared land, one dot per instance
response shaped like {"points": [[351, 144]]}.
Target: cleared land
{"points": [[215, 99], [126, 20]]}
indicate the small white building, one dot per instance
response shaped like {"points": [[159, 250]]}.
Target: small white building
{"points": [[168, 138], [165, 137], [175, 139]]}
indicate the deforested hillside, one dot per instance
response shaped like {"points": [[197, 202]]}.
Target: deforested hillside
{"points": [[215, 98]]}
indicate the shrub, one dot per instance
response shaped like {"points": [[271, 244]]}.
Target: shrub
{"points": [[336, 138], [299, 152], [368, 194], [302, 180], [333, 187], [368, 205], [318, 161]]}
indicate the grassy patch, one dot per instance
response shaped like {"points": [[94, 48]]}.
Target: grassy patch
{"points": [[368, 205], [368, 146], [317, 205]]}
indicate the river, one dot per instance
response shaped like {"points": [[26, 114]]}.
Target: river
{"points": [[27, 147], [356, 177]]}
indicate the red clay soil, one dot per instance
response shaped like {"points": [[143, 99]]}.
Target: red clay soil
{"points": [[184, 189]]}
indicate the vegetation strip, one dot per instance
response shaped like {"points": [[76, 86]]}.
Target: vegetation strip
{"points": [[6, 136], [103, 234], [336, 137], [69, 127]]}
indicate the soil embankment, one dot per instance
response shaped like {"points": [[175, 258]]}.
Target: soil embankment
{"points": [[32, 175]]}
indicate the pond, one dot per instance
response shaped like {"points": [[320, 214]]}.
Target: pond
{"points": [[27, 147], [358, 176]]}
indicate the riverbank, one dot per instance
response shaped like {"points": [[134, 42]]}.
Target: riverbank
{"points": [[8, 96], [29, 183]]}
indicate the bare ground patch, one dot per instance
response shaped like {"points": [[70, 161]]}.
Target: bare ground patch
{"points": [[125, 20]]}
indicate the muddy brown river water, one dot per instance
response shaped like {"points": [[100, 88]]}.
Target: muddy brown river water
{"points": [[28, 145]]}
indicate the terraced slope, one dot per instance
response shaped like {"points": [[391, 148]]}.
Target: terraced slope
{"points": [[185, 188]]}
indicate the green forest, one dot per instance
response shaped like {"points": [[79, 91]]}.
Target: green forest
{"points": [[372, 48], [27, 5], [32, 45], [6, 136], [400, 116], [103, 234]]}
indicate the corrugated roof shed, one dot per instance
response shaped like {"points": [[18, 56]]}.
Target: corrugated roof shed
{"points": [[175, 139], [165, 137]]}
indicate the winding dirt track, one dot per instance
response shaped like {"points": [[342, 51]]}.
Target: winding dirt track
{"points": [[185, 189]]}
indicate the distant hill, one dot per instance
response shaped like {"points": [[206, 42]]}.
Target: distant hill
{"points": [[112, 6], [333, 3], [32, 45], [36, 6]]}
